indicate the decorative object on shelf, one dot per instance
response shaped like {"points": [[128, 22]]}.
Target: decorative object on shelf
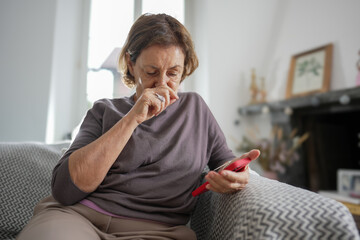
{"points": [[349, 182], [344, 99], [253, 88], [288, 110], [258, 95], [310, 72], [277, 152], [262, 92], [265, 109], [358, 67]]}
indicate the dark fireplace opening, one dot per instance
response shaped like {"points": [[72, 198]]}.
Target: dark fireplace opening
{"points": [[333, 144], [333, 121]]}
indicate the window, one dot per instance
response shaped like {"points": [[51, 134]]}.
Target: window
{"points": [[110, 22]]}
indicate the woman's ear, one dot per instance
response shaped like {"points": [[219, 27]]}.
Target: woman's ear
{"points": [[129, 64]]}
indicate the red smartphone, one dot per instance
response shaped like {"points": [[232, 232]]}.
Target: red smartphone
{"points": [[236, 165]]}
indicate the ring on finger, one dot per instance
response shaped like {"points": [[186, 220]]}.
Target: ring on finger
{"points": [[160, 97]]}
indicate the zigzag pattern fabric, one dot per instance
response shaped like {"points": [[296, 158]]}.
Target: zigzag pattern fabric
{"points": [[24, 179], [268, 209], [265, 209]]}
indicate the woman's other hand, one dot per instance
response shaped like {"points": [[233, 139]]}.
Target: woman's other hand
{"points": [[228, 181]]}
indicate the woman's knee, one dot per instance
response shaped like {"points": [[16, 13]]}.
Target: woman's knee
{"points": [[58, 224]]}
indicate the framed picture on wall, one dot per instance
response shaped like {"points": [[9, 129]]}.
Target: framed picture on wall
{"points": [[310, 72]]}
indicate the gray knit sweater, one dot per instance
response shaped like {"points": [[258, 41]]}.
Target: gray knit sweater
{"points": [[159, 167]]}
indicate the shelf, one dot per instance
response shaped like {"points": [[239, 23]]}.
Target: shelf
{"points": [[340, 100]]}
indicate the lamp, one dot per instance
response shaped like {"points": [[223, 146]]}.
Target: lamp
{"points": [[111, 64]]}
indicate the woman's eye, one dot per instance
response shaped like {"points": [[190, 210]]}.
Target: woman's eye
{"points": [[151, 73], [172, 74]]}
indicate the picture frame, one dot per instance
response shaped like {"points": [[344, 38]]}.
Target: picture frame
{"points": [[310, 72], [348, 182]]}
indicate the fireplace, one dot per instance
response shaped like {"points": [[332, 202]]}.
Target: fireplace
{"points": [[333, 121]]}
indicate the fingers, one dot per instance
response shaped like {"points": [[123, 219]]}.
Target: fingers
{"points": [[169, 95], [152, 102], [164, 97], [227, 181], [159, 104], [253, 154]]}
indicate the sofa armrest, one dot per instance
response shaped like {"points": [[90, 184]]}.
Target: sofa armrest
{"points": [[25, 178], [268, 209]]}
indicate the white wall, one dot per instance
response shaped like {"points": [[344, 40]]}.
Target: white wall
{"points": [[41, 66], [67, 103], [43, 50], [233, 36], [26, 43], [309, 24]]}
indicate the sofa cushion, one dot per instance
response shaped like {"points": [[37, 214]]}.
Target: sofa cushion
{"points": [[25, 178], [268, 209]]}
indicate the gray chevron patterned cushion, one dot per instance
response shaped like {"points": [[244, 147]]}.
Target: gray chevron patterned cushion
{"points": [[24, 179], [267, 209]]}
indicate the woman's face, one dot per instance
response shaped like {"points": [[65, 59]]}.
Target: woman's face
{"points": [[158, 66]]}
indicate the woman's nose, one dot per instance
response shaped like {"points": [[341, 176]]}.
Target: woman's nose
{"points": [[162, 81]]}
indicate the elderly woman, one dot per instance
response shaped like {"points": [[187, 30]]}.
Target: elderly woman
{"points": [[130, 171]]}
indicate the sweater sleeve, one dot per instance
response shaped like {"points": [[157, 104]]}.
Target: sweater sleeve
{"points": [[63, 188], [218, 150]]}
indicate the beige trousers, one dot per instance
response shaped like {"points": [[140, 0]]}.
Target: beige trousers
{"points": [[53, 221]]}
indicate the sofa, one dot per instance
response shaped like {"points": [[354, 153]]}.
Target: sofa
{"points": [[265, 209]]}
